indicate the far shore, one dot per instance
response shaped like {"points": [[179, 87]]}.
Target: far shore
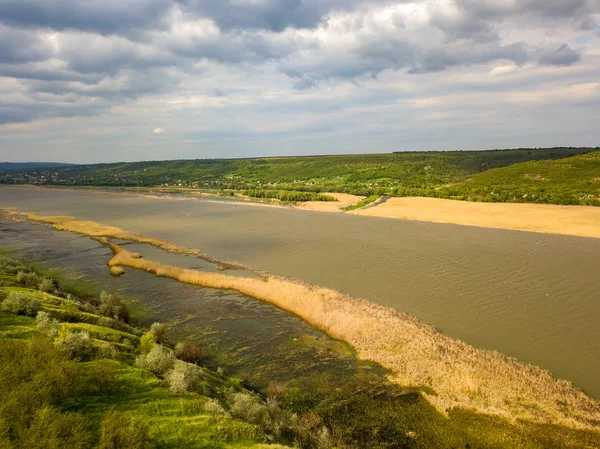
{"points": [[581, 221]]}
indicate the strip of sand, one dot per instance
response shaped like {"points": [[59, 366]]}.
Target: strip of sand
{"points": [[581, 221], [343, 200]]}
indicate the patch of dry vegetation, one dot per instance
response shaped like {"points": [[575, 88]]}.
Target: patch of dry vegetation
{"points": [[459, 375]]}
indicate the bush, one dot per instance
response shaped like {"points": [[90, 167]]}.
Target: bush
{"points": [[147, 343], [158, 331], [46, 324], [21, 304], [107, 351], [184, 377], [74, 344], [46, 285], [189, 352], [159, 360], [52, 429], [113, 307], [117, 431], [214, 408], [103, 376], [247, 408], [28, 279]]}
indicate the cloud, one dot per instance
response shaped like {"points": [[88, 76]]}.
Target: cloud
{"points": [[158, 131], [84, 58], [99, 16], [563, 56]]}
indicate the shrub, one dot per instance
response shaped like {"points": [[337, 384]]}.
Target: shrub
{"points": [[158, 331], [21, 304], [147, 342], [117, 431], [107, 351], [103, 376], [52, 429], [46, 324], [214, 408], [159, 360], [184, 377], [74, 344], [28, 279], [112, 306], [247, 408], [275, 389], [46, 285], [189, 352]]}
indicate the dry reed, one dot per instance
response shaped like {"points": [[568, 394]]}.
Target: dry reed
{"points": [[461, 375]]}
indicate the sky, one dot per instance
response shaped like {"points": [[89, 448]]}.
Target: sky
{"points": [[87, 81]]}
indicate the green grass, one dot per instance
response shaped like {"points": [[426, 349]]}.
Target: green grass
{"points": [[369, 200], [288, 196], [32, 381]]}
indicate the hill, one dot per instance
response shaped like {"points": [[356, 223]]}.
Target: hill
{"points": [[574, 180], [466, 175]]}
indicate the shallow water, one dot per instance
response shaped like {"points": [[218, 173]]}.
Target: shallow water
{"points": [[247, 337], [532, 296]]}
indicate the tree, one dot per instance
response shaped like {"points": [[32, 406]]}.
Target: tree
{"points": [[112, 306], [159, 332]]}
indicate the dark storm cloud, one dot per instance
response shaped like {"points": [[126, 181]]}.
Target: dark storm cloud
{"points": [[101, 16], [440, 59], [20, 46], [274, 15], [563, 56]]}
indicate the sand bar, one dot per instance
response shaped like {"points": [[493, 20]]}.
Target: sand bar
{"points": [[581, 221]]}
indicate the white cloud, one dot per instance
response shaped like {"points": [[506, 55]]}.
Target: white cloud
{"points": [[349, 75]]}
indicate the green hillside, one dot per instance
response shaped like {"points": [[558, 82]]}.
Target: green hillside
{"points": [[364, 174], [74, 374], [574, 180]]}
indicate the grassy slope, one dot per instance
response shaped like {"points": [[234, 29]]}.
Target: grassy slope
{"points": [[574, 180], [173, 420], [366, 174]]}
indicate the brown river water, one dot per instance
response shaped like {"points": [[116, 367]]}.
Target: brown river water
{"points": [[532, 296]]}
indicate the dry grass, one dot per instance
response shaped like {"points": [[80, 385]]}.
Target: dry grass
{"points": [[462, 376]]}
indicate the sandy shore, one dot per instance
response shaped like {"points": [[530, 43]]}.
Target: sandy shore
{"points": [[581, 221], [343, 200]]}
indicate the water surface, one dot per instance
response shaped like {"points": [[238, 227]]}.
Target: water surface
{"points": [[532, 296]]}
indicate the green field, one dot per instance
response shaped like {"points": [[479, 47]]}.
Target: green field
{"points": [[524, 175]]}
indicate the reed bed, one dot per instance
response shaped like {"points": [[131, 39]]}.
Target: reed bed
{"points": [[100, 231], [456, 374]]}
